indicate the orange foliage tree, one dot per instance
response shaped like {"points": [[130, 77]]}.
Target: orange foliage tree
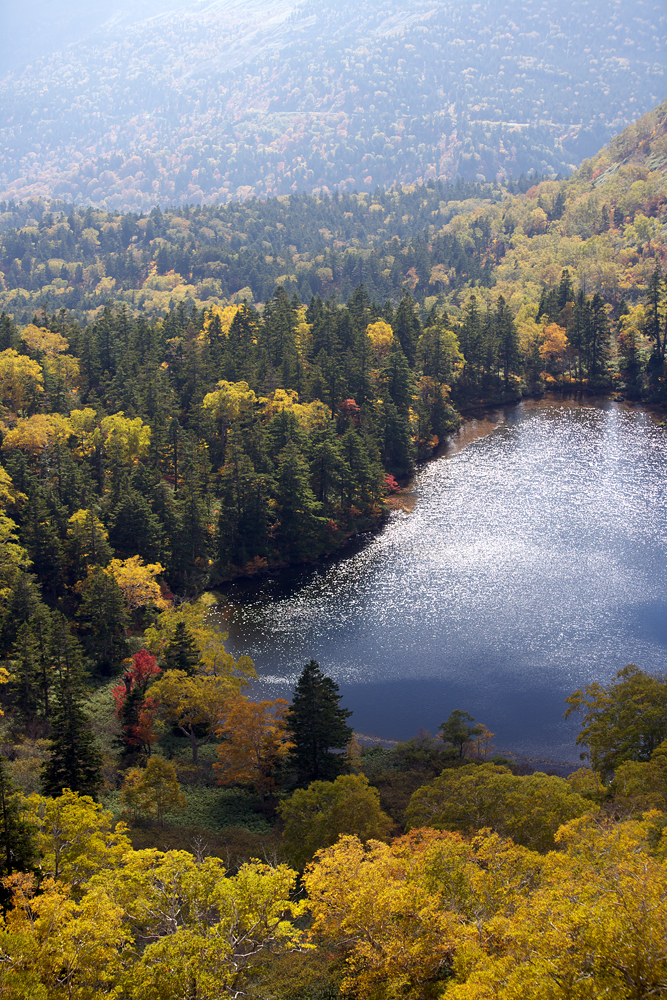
{"points": [[255, 743]]}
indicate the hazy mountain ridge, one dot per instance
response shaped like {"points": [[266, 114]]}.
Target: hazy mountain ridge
{"points": [[347, 96], [607, 224]]}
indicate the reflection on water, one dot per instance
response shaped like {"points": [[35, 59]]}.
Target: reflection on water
{"points": [[533, 563]]}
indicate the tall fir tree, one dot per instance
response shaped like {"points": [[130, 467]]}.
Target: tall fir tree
{"points": [[182, 652], [317, 725], [75, 761], [18, 851]]}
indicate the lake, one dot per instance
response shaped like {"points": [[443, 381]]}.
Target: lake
{"points": [[532, 563]]}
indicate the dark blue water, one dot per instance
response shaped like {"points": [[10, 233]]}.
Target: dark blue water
{"points": [[533, 563]]}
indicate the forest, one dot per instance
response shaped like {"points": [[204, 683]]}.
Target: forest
{"points": [[256, 99], [166, 429]]}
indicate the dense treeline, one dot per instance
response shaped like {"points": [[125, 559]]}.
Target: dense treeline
{"points": [[439, 241], [313, 246]]}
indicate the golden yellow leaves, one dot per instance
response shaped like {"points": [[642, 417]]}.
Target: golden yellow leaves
{"points": [[378, 899], [137, 582], [381, 337], [124, 440], [21, 381], [199, 932], [230, 402], [153, 790], [40, 340], [209, 638], [554, 345], [37, 433], [218, 320]]}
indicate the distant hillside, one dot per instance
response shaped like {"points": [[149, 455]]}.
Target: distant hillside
{"points": [[215, 102], [606, 223]]}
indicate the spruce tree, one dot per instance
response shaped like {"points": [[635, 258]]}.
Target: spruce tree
{"points": [[17, 839], [182, 652], [317, 725], [75, 760]]}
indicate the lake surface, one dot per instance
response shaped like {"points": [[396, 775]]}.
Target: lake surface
{"points": [[534, 562]]}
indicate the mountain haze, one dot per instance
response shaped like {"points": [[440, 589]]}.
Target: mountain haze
{"points": [[212, 102]]}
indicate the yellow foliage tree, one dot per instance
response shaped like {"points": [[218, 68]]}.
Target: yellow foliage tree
{"points": [[255, 742], [594, 925], [378, 901], [64, 373], [125, 440], [231, 402], [311, 416], [194, 703], [224, 317], [21, 381], [137, 582], [40, 339], [37, 433], [153, 790], [207, 933], [52, 946], [381, 337], [13, 557], [85, 430], [76, 837], [554, 344], [208, 636]]}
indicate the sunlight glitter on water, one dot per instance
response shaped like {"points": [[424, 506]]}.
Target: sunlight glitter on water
{"points": [[534, 562]]}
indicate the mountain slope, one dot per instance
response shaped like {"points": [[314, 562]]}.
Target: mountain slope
{"points": [[607, 224], [220, 101]]}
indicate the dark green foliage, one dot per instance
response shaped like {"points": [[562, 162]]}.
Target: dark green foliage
{"points": [[182, 652], [317, 724], [297, 509], [18, 851], [103, 617], [135, 529], [458, 731], [75, 760], [33, 668]]}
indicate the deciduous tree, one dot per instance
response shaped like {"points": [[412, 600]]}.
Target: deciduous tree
{"points": [[316, 816], [255, 743], [623, 720]]}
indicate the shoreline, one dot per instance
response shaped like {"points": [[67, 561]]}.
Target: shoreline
{"points": [[562, 768], [481, 420], [477, 422]]}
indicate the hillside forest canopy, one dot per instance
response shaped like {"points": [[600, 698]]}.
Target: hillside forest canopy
{"points": [[215, 103], [206, 392]]}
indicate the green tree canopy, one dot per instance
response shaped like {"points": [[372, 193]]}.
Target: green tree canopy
{"points": [[622, 721], [316, 816]]}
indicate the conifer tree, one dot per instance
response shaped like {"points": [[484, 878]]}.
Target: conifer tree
{"points": [[75, 760], [182, 653], [17, 843], [298, 509], [317, 725]]}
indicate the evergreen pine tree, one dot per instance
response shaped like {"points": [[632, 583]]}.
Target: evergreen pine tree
{"points": [[75, 760], [182, 652], [317, 725], [298, 510], [17, 839]]}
